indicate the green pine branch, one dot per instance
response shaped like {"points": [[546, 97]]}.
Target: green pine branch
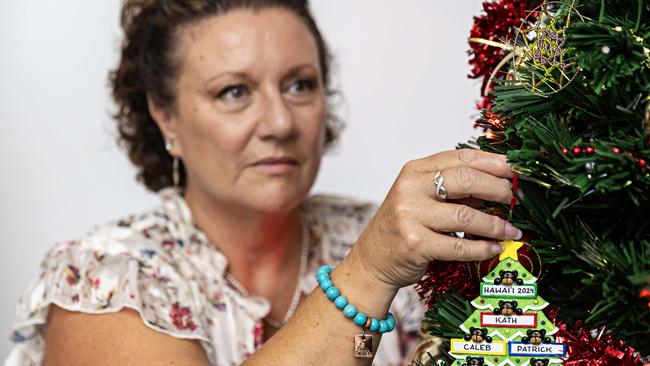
{"points": [[444, 318]]}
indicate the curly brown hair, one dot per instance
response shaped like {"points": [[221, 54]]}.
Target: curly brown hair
{"points": [[147, 68]]}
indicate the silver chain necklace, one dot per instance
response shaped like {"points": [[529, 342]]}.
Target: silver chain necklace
{"points": [[297, 293]]}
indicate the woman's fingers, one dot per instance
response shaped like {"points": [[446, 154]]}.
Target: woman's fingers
{"points": [[411, 217], [493, 164], [450, 217], [449, 248], [464, 182]]}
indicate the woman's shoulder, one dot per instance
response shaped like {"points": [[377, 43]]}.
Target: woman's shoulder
{"points": [[151, 235], [117, 236], [140, 240], [130, 263]]}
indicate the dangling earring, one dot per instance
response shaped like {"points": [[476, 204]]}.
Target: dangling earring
{"points": [[176, 174]]}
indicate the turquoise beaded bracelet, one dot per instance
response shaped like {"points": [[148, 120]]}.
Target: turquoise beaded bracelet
{"points": [[349, 310]]}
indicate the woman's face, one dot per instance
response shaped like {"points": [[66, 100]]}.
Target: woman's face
{"points": [[248, 122]]}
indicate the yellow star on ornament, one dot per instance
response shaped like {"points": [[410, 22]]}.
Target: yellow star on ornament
{"points": [[510, 248]]}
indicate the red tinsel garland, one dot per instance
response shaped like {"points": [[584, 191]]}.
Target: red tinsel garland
{"points": [[601, 349], [441, 277], [499, 22]]}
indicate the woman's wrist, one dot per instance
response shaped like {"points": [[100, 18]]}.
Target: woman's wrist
{"points": [[365, 291], [350, 310]]}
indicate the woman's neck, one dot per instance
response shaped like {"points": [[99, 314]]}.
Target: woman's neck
{"points": [[262, 249]]}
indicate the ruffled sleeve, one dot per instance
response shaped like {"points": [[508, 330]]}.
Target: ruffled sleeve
{"points": [[114, 267]]}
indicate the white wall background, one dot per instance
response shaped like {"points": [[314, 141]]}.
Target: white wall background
{"points": [[402, 66]]}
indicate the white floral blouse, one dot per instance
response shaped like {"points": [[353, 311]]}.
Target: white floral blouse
{"points": [[160, 265]]}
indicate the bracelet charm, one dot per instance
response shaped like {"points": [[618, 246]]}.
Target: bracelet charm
{"points": [[363, 341], [363, 345]]}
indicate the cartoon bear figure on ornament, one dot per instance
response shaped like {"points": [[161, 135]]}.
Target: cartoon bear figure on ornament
{"points": [[478, 335], [535, 336], [538, 362], [507, 308], [508, 278], [474, 361]]}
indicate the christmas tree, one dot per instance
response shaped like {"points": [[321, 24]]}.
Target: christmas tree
{"points": [[566, 88]]}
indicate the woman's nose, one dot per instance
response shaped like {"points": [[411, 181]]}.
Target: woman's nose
{"points": [[276, 120]]}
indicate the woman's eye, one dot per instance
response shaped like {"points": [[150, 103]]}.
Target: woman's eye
{"points": [[300, 86], [233, 93]]}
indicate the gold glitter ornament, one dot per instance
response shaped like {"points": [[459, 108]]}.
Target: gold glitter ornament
{"points": [[432, 350], [543, 63]]}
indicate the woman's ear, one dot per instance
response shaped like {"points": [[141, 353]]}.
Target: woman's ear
{"points": [[166, 121]]}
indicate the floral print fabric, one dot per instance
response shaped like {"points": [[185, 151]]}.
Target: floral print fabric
{"points": [[160, 265]]}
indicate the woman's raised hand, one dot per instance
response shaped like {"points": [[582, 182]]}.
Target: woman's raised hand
{"points": [[411, 227]]}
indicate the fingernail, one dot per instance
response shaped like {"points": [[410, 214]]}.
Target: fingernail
{"points": [[513, 232], [497, 248]]}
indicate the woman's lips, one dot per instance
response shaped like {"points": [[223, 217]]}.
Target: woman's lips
{"points": [[275, 166]]}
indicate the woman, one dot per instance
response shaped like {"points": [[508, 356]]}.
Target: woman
{"points": [[223, 108]]}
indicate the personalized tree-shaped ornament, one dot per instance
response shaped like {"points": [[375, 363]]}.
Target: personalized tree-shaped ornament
{"points": [[508, 326]]}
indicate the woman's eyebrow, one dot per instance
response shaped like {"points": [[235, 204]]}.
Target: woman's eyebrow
{"points": [[298, 68], [230, 74], [293, 71]]}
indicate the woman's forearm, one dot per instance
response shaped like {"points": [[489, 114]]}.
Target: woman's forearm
{"points": [[319, 334]]}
